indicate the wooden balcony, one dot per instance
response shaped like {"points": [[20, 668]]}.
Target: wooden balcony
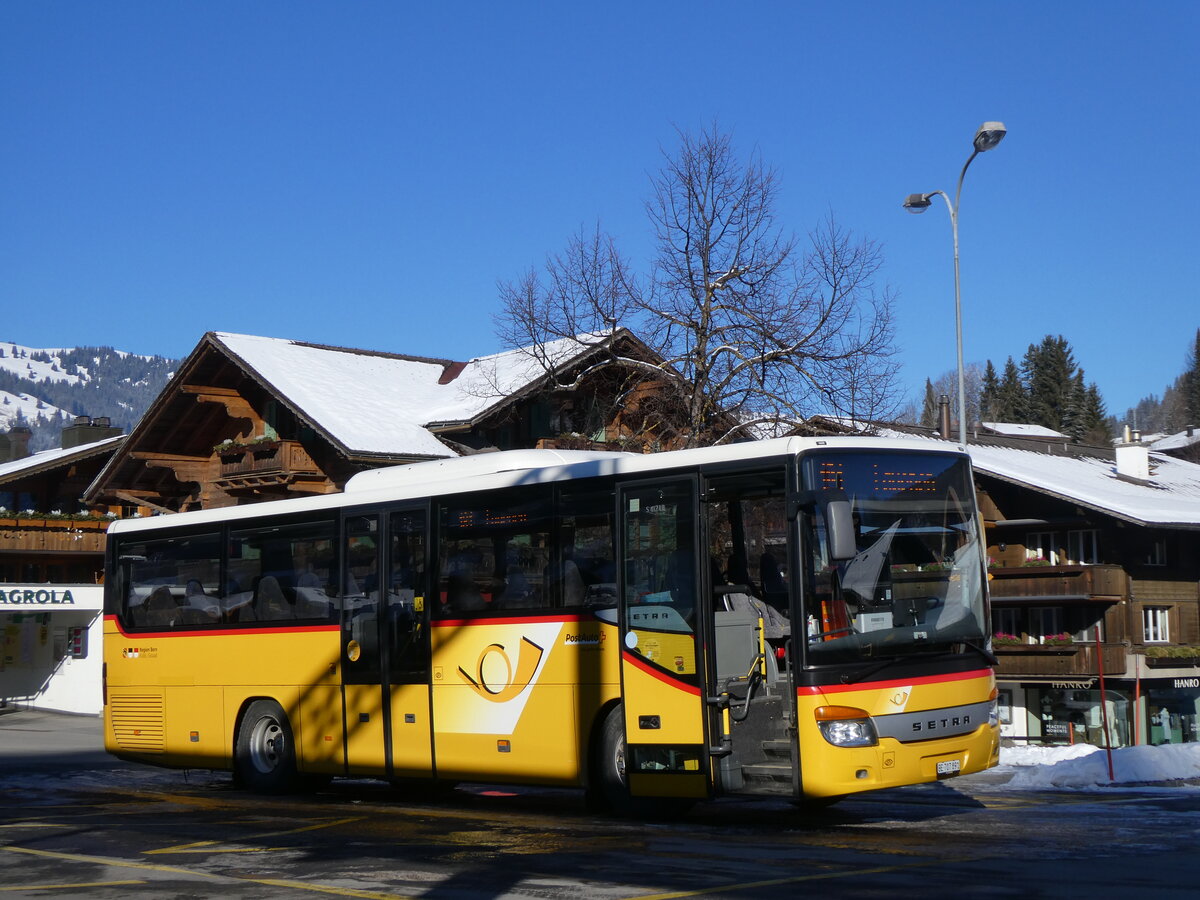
{"points": [[1073, 659], [268, 464], [1050, 584], [43, 534]]}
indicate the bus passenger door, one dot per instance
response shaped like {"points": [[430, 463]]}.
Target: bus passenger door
{"points": [[385, 655], [661, 674], [406, 645]]}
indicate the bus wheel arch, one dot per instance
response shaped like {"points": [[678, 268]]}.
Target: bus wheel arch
{"points": [[264, 750]]}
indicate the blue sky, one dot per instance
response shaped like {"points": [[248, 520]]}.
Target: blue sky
{"points": [[363, 173]]}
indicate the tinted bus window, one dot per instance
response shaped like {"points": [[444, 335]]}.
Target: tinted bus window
{"points": [[171, 582], [281, 573], [494, 553]]}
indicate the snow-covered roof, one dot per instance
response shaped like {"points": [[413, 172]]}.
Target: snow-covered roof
{"points": [[1016, 429], [378, 403], [1171, 497], [50, 458], [1176, 441]]}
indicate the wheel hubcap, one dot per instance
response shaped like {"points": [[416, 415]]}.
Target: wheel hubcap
{"points": [[266, 745]]}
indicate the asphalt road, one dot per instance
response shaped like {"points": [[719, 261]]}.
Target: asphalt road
{"points": [[75, 822]]}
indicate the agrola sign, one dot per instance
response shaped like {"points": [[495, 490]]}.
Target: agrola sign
{"points": [[36, 596]]}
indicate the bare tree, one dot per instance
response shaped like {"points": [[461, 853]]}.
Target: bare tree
{"points": [[585, 290], [751, 330], [763, 333]]}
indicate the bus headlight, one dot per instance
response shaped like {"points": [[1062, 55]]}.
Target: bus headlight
{"points": [[846, 726], [994, 709]]}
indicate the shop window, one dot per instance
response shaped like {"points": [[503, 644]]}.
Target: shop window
{"points": [[1083, 546], [1156, 625]]}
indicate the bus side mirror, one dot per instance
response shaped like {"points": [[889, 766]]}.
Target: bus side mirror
{"points": [[839, 527]]}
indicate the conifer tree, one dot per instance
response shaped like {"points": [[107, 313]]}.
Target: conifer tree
{"points": [[1191, 384], [1048, 371], [1013, 404], [929, 409], [989, 393], [1074, 416]]}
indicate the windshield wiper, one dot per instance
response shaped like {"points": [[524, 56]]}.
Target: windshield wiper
{"points": [[881, 664], [870, 670]]}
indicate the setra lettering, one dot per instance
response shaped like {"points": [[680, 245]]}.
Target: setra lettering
{"points": [[931, 725]]}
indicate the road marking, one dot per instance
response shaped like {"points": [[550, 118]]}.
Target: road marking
{"points": [[63, 887], [207, 846], [797, 879], [71, 887], [107, 861], [177, 870]]}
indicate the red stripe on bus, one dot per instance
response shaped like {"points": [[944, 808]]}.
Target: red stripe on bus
{"points": [[662, 676], [813, 690]]}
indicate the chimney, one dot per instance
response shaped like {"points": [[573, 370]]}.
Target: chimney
{"points": [[1133, 461], [86, 430], [944, 416], [18, 442]]}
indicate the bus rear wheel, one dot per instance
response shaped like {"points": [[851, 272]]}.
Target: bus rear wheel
{"points": [[264, 757]]}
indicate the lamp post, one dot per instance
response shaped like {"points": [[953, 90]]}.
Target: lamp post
{"points": [[988, 136]]}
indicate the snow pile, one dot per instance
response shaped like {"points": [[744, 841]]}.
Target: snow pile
{"points": [[1085, 766]]}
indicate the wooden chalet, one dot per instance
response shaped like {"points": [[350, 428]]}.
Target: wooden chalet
{"points": [[46, 534], [252, 418]]}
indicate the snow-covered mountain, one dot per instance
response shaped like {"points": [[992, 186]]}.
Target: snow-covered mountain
{"points": [[45, 388]]}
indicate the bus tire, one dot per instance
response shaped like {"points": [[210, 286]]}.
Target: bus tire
{"points": [[264, 758], [610, 789]]}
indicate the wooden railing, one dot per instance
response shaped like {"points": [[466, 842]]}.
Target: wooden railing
{"points": [[267, 458], [1101, 583], [42, 534], [1072, 659]]}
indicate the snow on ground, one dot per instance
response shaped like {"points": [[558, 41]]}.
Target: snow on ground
{"points": [[1083, 766]]}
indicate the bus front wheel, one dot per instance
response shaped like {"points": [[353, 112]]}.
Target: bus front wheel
{"points": [[608, 790], [265, 753]]}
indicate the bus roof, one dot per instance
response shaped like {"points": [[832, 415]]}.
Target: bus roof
{"points": [[510, 468]]}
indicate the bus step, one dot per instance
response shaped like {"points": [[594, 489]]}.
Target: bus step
{"points": [[777, 748], [779, 772]]}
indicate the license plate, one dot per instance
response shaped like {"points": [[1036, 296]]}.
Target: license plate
{"points": [[949, 767]]}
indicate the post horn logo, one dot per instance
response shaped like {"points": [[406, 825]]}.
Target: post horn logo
{"points": [[485, 681]]}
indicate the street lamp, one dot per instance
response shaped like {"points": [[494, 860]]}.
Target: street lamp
{"points": [[988, 136]]}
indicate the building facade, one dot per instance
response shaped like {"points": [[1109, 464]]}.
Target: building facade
{"points": [[51, 568], [1094, 565]]}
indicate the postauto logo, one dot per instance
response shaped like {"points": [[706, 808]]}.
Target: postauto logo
{"points": [[495, 678]]}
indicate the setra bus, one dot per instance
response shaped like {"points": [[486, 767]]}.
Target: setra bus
{"points": [[800, 617]]}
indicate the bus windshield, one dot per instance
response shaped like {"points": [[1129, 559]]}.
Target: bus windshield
{"points": [[916, 582]]}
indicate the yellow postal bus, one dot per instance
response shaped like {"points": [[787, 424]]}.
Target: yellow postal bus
{"points": [[804, 618]]}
